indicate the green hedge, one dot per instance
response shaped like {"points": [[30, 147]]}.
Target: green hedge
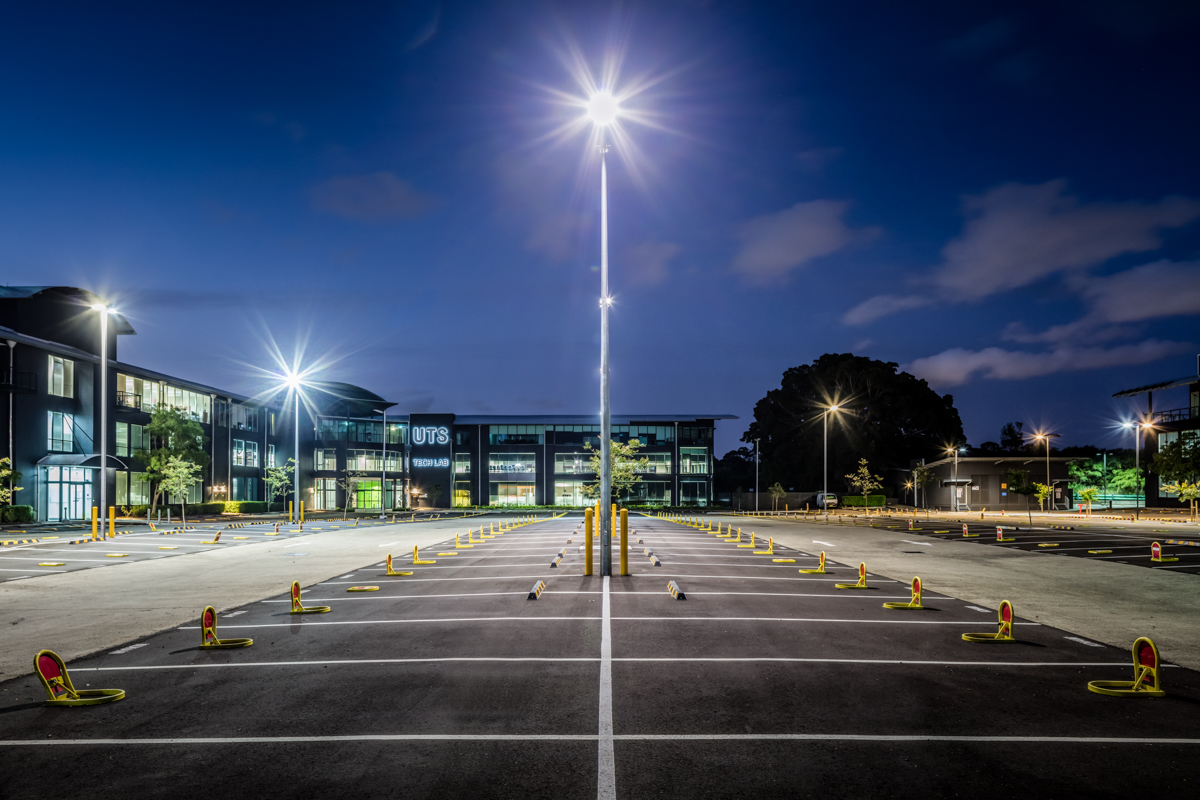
{"points": [[18, 514], [857, 500], [245, 506]]}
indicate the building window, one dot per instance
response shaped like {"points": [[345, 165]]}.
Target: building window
{"points": [[570, 493], [193, 494], [68, 493], [251, 454], [516, 434], [245, 489], [462, 463], [364, 460], [243, 418], [271, 455], [693, 493], [239, 453], [693, 461], [197, 406], [511, 462], [324, 496], [131, 438], [660, 463], [695, 435], [649, 493], [367, 495], [325, 458], [60, 380], [62, 432], [462, 437], [462, 494], [572, 464], [133, 489], [137, 393], [575, 434], [513, 494]]}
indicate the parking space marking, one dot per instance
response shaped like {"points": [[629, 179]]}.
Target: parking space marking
{"points": [[606, 778], [307, 623], [339, 662]]}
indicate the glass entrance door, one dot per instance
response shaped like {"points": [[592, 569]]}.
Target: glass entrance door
{"points": [[68, 494]]}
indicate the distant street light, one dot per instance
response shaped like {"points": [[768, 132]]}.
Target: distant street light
{"points": [[825, 480], [756, 474], [383, 480], [104, 312], [294, 384], [956, 486], [1047, 437], [1137, 427]]}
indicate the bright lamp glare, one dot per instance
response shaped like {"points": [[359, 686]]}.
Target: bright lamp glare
{"points": [[602, 109], [99, 307], [292, 381], [833, 408]]}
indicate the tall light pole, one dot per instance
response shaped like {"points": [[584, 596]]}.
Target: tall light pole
{"points": [[825, 481], [104, 312], [383, 480], [956, 487], [1137, 427], [294, 383], [756, 474], [1047, 437], [602, 110]]}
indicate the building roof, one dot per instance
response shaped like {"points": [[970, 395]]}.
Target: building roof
{"points": [[1000, 459], [80, 461], [334, 398], [1154, 387], [580, 419], [120, 325]]}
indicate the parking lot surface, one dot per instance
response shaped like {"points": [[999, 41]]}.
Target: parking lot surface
{"points": [[451, 682]]}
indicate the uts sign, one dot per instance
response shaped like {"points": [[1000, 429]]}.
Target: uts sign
{"points": [[429, 434]]}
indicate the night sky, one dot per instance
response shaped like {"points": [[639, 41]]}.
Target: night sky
{"points": [[1003, 198]]}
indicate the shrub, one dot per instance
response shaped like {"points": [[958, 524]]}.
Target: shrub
{"points": [[18, 514], [857, 500], [245, 506]]}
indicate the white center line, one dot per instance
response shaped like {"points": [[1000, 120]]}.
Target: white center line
{"points": [[606, 780]]}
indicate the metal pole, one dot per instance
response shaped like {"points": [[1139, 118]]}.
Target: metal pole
{"points": [[756, 474], [104, 414], [955, 480], [383, 480], [825, 482], [1049, 485], [12, 459], [1137, 469], [296, 450], [605, 521]]}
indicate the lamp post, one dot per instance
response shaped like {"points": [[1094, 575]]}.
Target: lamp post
{"points": [[294, 383], [1137, 427], [956, 487], [1047, 437], [603, 111], [383, 480], [756, 474], [825, 480], [104, 312]]}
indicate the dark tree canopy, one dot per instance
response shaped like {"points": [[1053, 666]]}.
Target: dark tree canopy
{"points": [[890, 417], [735, 470]]}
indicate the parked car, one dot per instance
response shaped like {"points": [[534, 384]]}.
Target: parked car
{"points": [[826, 500]]}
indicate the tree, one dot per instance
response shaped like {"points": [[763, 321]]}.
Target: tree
{"points": [[624, 465], [435, 494], [348, 483], [1088, 496], [922, 477], [10, 476], [739, 497], [279, 481], [1178, 460], [1188, 492], [777, 493], [734, 469], [173, 434], [178, 476], [1012, 437], [1041, 491], [889, 417], [863, 480]]}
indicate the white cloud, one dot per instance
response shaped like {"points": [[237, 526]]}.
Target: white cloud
{"points": [[1160, 289], [775, 244], [1018, 234], [648, 263], [958, 365], [377, 197], [883, 305]]}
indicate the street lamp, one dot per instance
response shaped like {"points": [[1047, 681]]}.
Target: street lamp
{"points": [[956, 486], [1047, 437], [104, 312], [756, 474], [603, 110], [909, 485], [293, 383], [383, 480], [825, 482], [1137, 427]]}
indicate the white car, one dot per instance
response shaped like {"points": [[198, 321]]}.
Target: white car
{"points": [[826, 500]]}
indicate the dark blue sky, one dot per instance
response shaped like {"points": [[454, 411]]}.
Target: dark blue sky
{"points": [[1004, 198]]}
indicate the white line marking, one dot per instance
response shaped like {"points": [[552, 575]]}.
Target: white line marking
{"points": [[977, 608], [1122, 664], [923, 544], [339, 663], [1083, 641], [827, 544], [233, 614], [606, 778], [125, 650], [804, 619], [388, 621], [626, 737]]}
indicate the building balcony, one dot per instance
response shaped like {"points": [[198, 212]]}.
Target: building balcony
{"points": [[1177, 419], [18, 382], [129, 400]]}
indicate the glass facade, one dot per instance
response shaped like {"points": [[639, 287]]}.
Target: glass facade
{"points": [[516, 434], [61, 433], [513, 494], [60, 377], [353, 430], [462, 463], [570, 493], [652, 493], [462, 494], [131, 438], [573, 463], [69, 493], [133, 392], [133, 489], [693, 461], [660, 463], [325, 459], [324, 494], [197, 406], [512, 462], [371, 460], [693, 493], [244, 488]]}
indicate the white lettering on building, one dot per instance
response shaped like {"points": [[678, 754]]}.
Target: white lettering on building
{"points": [[429, 434]]}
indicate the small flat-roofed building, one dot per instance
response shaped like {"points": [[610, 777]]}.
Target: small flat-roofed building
{"points": [[981, 482]]}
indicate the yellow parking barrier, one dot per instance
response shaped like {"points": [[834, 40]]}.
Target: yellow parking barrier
{"points": [[51, 563], [391, 571], [216, 539], [297, 608], [417, 558], [914, 603], [675, 591], [363, 589], [965, 534], [1000, 535], [52, 672], [770, 551], [1099, 552], [458, 546], [1156, 553], [447, 554], [208, 632], [1048, 544], [862, 579], [537, 590], [1145, 681], [752, 544], [819, 570], [784, 560], [1005, 634], [116, 555], [587, 541], [112, 522]]}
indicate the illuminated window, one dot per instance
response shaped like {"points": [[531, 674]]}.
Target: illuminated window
{"points": [[60, 379], [512, 462]]}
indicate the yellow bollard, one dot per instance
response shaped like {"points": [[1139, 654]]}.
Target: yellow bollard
{"points": [[624, 541], [112, 522], [94, 523], [291, 519], [302, 512], [587, 542]]}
